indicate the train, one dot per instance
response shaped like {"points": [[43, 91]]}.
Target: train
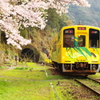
{"points": [[76, 50]]}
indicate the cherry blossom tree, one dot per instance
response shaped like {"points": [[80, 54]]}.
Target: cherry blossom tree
{"points": [[16, 14]]}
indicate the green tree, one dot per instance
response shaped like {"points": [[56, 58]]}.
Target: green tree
{"points": [[56, 21], [53, 19]]}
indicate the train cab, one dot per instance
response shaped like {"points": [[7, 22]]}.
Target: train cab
{"points": [[77, 49]]}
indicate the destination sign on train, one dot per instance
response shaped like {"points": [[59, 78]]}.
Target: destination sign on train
{"points": [[94, 32], [68, 31], [81, 28]]}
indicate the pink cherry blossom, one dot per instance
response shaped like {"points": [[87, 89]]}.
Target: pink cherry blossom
{"points": [[14, 14]]}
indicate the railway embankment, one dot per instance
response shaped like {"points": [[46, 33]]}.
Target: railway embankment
{"points": [[26, 81]]}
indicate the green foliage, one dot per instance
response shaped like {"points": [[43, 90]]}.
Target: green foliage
{"points": [[88, 16], [63, 20], [6, 52], [24, 32], [55, 21]]}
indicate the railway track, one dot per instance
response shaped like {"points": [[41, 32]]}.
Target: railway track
{"points": [[97, 81], [90, 84], [87, 84]]}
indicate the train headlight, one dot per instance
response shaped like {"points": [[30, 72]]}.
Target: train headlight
{"points": [[94, 67]]}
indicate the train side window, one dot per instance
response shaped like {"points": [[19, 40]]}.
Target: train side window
{"points": [[81, 40], [68, 38], [93, 38]]}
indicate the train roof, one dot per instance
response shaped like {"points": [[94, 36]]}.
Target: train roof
{"points": [[80, 26]]}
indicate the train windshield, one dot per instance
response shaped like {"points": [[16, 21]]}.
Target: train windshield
{"points": [[68, 38], [81, 41], [93, 38]]}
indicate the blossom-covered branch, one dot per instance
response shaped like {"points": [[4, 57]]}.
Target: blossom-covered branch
{"points": [[15, 13]]}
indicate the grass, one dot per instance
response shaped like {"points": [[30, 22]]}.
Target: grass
{"points": [[3, 67], [29, 82], [97, 75], [23, 75], [24, 90], [63, 91], [70, 90], [31, 72]]}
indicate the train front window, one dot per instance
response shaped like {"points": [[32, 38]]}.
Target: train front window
{"points": [[68, 38], [81, 41], [93, 38]]}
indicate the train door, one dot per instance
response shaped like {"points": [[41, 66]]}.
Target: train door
{"points": [[81, 40], [94, 45], [94, 38]]}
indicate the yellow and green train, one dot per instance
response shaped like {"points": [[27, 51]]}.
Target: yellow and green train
{"points": [[76, 50]]}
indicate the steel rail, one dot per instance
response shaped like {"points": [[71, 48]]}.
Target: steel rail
{"points": [[96, 92], [93, 80]]}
